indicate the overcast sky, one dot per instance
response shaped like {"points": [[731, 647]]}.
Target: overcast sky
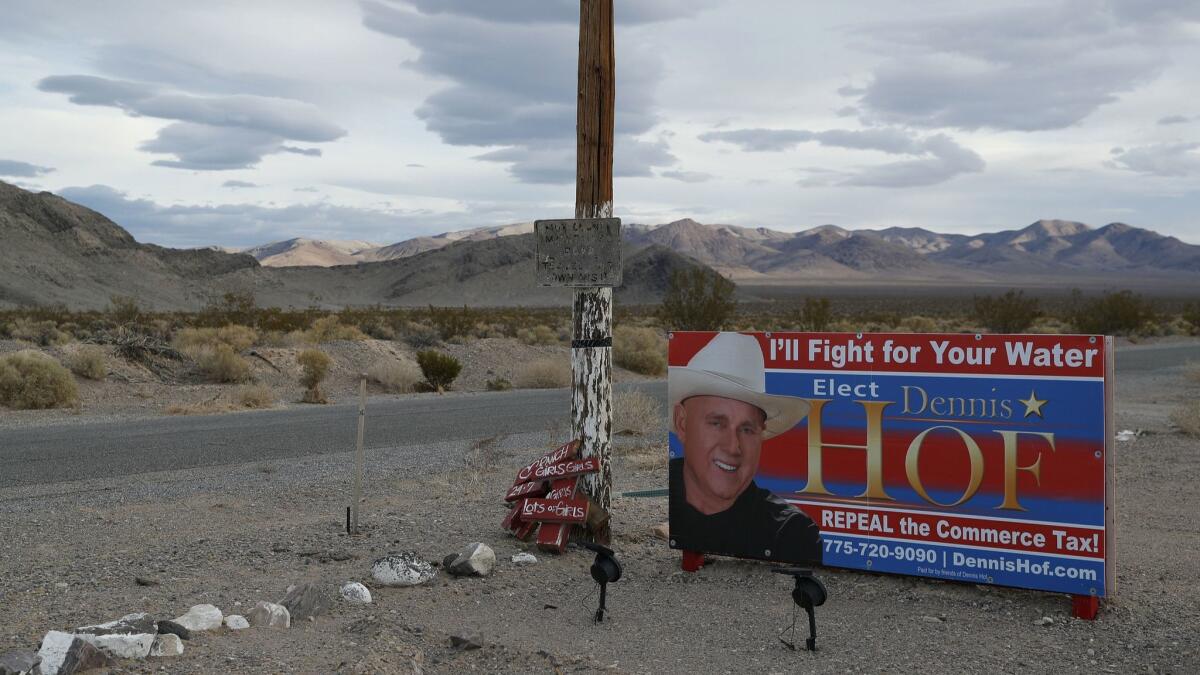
{"points": [[237, 123]]}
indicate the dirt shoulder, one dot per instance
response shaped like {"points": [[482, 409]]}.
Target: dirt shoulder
{"points": [[236, 535]]}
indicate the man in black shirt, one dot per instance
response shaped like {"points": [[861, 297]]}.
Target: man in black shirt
{"points": [[721, 414]]}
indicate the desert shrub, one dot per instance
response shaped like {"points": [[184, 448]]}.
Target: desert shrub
{"points": [[440, 370], [639, 414], [1187, 418], [538, 335], [395, 375], [815, 315], [254, 396], [544, 374], [315, 367], [331, 329], [918, 324], [697, 299], [1120, 313], [421, 336], [220, 363], [124, 309], [89, 362], [1008, 313], [237, 338], [1191, 314], [44, 333], [498, 384], [451, 322], [30, 379], [238, 308], [642, 350]]}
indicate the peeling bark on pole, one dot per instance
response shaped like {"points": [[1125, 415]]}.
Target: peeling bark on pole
{"points": [[591, 366]]}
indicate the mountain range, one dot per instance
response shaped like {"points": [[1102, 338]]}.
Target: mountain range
{"points": [[55, 251], [1045, 248]]}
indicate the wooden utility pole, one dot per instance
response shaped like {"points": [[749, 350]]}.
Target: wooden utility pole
{"points": [[591, 346]]}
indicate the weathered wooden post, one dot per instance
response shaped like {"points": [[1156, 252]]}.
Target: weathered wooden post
{"points": [[584, 253], [591, 346]]}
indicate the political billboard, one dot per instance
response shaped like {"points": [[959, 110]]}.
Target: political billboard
{"points": [[976, 458]]}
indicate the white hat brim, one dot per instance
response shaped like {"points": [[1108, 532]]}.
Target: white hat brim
{"points": [[783, 412]]}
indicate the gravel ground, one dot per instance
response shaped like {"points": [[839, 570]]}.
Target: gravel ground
{"points": [[231, 536]]}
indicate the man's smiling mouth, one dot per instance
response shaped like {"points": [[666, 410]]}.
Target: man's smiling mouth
{"points": [[729, 468]]}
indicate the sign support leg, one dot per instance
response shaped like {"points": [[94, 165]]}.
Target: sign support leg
{"points": [[1085, 607], [692, 561]]}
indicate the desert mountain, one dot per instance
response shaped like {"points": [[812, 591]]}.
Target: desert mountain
{"points": [[1067, 251], [329, 252], [318, 252], [55, 251]]}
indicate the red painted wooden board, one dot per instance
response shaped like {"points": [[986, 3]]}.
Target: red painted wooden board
{"points": [[571, 467], [554, 536], [554, 510], [530, 489], [564, 452]]}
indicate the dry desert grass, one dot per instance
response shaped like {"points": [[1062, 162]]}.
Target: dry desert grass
{"points": [[396, 376], [544, 374]]}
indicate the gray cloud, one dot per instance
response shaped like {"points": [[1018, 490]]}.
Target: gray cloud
{"points": [[143, 64], [562, 11], [236, 184], [938, 157], [1163, 159], [513, 84], [11, 167], [1043, 66], [211, 132], [1173, 119], [688, 176], [307, 152]]}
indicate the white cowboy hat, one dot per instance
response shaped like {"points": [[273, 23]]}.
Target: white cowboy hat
{"points": [[731, 366]]}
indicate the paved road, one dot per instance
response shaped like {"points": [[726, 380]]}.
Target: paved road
{"points": [[72, 452], [44, 455]]}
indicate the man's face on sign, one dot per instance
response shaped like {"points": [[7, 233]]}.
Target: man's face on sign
{"points": [[722, 441]]}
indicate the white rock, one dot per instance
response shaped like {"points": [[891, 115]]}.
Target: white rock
{"points": [[476, 559], [120, 645], [54, 650], [270, 615], [200, 617], [403, 569], [356, 594], [236, 622], [166, 644], [524, 558]]}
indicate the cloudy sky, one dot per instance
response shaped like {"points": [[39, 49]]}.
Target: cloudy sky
{"points": [[237, 123]]}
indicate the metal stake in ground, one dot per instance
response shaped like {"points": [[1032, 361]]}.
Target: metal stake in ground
{"points": [[591, 353], [358, 453]]}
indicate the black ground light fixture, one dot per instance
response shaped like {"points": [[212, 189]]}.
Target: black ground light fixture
{"points": [[605, 568], [809, 593]]}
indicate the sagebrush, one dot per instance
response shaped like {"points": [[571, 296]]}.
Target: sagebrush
{"points": [[314, 365], [88, 362], [31, 380]]}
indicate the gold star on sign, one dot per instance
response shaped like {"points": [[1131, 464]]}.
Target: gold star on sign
{"points": [[1033, 406]]}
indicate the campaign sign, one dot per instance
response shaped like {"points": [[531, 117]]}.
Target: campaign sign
{"points": [[977, 458]]}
